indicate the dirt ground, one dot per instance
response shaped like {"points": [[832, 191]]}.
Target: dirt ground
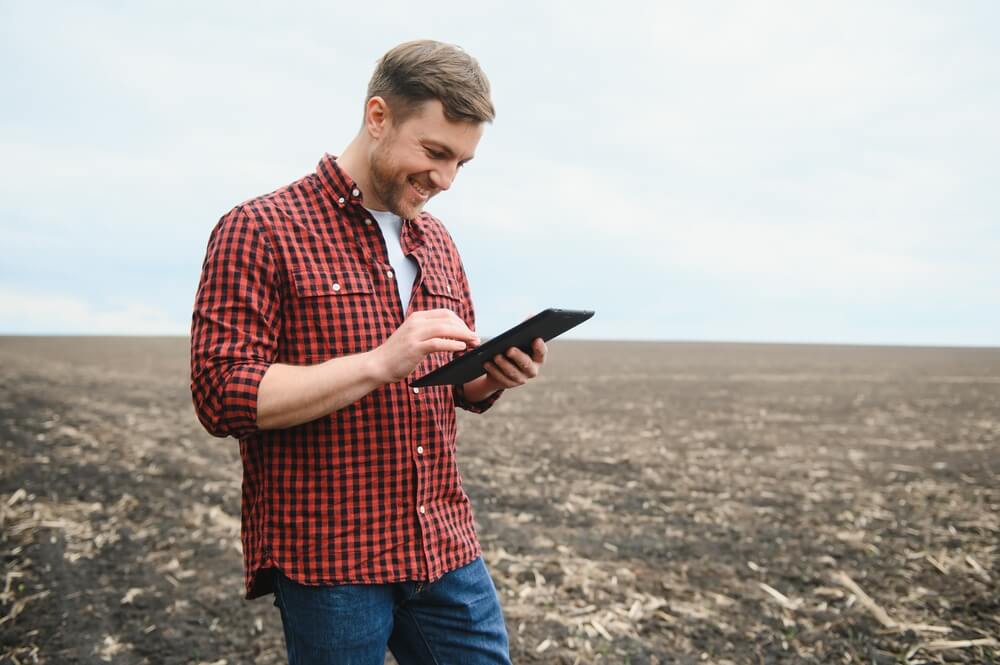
{"points": [[639, 503]]}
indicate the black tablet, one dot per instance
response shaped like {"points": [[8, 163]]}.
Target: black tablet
{"points": [[546, 324]]}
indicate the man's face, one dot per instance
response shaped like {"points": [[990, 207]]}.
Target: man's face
{"points": [[415, 160]]}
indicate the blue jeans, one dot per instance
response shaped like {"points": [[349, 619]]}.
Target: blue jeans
{"points": [[456, 619]]}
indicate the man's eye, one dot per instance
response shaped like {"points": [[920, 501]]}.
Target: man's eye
{"points": [[434, 154]]}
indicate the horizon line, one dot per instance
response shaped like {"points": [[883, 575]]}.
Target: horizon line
{"points": [[616, 340]]}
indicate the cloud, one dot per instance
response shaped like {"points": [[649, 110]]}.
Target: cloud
{"points": [[760, 153], [46, 313], [874, 247]]}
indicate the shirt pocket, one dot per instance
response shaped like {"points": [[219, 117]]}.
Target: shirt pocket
{"points": [[330, 314], [440, 291], [312, 284]]}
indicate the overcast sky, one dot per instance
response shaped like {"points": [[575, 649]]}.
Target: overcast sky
{"points": [[758, 171]]}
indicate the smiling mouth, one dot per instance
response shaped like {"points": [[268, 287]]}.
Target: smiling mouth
{"points": [[418, 189]]}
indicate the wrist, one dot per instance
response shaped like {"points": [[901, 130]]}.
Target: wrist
{"points": [[373, 368], [480, 388], [490, 385]]}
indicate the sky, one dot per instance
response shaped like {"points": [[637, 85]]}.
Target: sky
{"points": [[718, 171]]}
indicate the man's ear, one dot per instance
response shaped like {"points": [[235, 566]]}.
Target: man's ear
{"points": [[376, 117]]}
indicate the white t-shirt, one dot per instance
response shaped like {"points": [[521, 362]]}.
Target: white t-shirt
{"points": [[403, 266]]}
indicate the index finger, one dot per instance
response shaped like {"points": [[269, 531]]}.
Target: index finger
{"points": [[448, 329]]}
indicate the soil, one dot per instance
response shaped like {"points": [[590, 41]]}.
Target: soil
{"points": [[637, 503]]}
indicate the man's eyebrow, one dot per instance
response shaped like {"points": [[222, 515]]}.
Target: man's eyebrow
{"points": [[447, 151]]}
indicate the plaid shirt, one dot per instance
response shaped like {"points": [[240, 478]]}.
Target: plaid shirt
{"points": [[370, 493]]}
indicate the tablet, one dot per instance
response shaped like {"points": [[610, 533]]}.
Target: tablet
{"points": [[546, 324]]}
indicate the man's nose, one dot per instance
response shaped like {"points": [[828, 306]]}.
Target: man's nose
{"points": [[443, 177]]}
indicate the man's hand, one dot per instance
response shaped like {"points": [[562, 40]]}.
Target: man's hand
{"points": [[515, 367], [422, 333]]}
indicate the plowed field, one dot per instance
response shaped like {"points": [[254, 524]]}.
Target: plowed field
{"points": [[638, 503]]}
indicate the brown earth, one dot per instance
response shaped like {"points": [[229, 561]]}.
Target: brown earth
{"points": [[639, 503]]}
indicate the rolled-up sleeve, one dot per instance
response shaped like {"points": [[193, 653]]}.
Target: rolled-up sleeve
{"points": [[235, 325], [474, 407]]}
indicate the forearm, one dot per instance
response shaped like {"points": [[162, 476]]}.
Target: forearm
{"points": [[290, 395]]}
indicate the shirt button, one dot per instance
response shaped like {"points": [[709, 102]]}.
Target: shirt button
{"points": [[388, 273], [416, 390], [368, 222], [355, 192], [420, 450], [341, 200], [422, 511], [336, 287]]}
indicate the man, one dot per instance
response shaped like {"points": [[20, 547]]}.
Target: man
{"points": [[318, 305]]}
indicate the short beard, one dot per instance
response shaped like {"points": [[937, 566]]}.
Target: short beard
{"points": [[388, 191]]}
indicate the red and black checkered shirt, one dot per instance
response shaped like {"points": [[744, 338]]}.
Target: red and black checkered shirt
{"points": [[370, 493]]}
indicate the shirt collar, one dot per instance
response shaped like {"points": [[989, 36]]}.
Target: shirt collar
{"points": [[342, 190], [340, 187]]}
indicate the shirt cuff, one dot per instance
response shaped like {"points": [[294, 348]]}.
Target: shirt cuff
{"points": [[474, 407], [238, 413]]}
